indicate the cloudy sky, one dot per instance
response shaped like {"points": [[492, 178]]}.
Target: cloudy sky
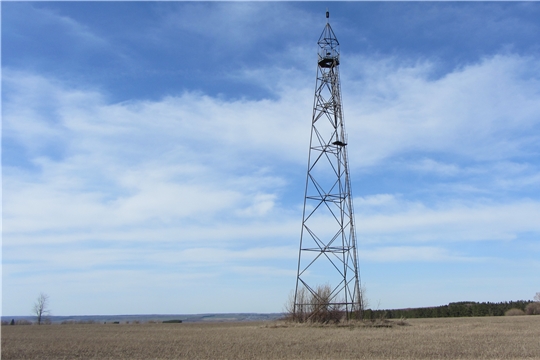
{"points": [[154, 153]]}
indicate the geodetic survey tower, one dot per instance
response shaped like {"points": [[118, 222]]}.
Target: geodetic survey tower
{"points": [[328, 254]]}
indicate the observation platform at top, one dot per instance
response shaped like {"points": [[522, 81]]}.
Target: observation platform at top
{"points": [[328, 61], [328, 47]]}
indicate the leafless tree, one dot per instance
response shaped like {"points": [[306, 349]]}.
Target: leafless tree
{"points": [[41, 308], [364, 302], [322, 308], [300, 311], [319, 306], [537, 297], [316, 306]]}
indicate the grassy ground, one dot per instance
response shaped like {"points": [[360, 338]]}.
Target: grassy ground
{"points": [[516, 337]]}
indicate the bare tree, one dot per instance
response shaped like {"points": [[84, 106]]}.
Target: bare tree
{"points": [[41, 308], [323, 306], [298, 312], [537, 297], [317, 306], [362, 298]]}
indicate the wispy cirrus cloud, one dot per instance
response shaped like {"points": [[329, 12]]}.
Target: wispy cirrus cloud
{"points": [[401, 221], [481, 112], [393, 254]]}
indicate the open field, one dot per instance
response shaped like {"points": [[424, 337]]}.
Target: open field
{"points": [[516, 337]]}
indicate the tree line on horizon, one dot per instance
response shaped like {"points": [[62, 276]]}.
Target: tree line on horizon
{"points": [[455, 309]]}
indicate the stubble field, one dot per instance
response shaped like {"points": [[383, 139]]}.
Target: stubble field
{"points": [[449, 338]]}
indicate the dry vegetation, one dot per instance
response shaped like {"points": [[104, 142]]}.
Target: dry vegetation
{"points": [[318, 306], [514, 312], [533, 308], [514, 337]]}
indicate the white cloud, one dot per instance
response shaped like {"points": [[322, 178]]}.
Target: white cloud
{"points": [[30, 16], [189, 157], [380, 202], [246, 19], [452, 222], [199, 177], [483, 111], [262, 205], [185, 157], [437, 167], [411, 254]]}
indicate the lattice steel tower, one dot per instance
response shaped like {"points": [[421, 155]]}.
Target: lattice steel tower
{"points": [[328, 254]]}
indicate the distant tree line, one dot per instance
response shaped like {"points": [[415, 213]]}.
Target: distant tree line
{"points": [[456, 309]]}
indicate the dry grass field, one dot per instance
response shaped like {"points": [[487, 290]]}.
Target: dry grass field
{"points": [[516, 337]]}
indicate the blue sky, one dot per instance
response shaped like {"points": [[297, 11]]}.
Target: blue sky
{"points": [[154, 153]]}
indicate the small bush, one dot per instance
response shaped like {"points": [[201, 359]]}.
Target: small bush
{"points": [[402, 322], [533, 308], [23, 322], [514, 312]]}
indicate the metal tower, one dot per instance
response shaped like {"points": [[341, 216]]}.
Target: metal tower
{"points": [[327, 254]]}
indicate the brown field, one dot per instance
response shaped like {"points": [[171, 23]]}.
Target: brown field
{"points": [[516, 337]]}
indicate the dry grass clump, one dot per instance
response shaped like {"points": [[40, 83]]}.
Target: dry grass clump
{"points": [[514, 312], [374, 323], [402, 322]]}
